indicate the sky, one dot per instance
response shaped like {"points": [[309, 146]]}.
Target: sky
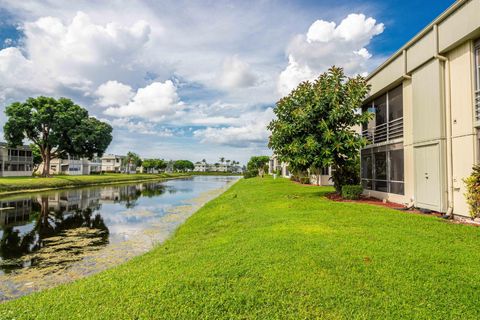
{"points": [[192, 79]]}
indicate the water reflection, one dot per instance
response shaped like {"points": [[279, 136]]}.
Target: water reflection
{"points": [[47, 234]]}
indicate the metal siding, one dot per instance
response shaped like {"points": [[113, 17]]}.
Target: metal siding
{"points": [[464, 22], [461, 90], [421, 51], [427, 103], [463, 161], [387, 76]]}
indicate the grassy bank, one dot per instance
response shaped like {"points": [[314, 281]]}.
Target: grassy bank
{"points": [[19, 184], [271, 249]]}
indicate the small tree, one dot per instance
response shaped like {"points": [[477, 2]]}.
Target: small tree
{"points": [[57, 127], [132, 160], [160, 164], [36, 157], [315, 125], [154, 164], [258, 164]]}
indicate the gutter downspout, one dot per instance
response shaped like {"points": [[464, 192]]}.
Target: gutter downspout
{"points": [[448, 120], [448, 104]]}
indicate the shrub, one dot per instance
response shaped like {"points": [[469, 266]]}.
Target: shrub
{"points": [[351, 192], [304, 180], [347, 174], [250, 174], [472, 195]]}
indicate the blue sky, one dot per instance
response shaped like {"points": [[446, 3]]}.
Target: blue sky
{"points": [[191, 79]]}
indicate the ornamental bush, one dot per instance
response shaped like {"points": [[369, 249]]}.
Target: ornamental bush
{"points": [[472, 195], [250, 174], [351, 192]]}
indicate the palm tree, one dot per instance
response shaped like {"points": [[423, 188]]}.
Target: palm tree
{"points": [[222, 160]]}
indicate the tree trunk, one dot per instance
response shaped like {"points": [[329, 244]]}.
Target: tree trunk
{"points": [[46, 163]]}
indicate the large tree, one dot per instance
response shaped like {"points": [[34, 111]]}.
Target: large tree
{"points": [[183, 165], [57, 127], [314, 126]]}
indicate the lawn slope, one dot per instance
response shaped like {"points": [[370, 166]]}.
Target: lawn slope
{"points": [[271, 249]]}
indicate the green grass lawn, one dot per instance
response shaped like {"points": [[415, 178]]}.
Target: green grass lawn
{"points": [[9, 184], [271, 249]]}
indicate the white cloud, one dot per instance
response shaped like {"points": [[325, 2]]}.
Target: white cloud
{"points": [[293, 74], [327, 44], [18, 76], [58, 57], [140, 127], [237, 74], [251, 130], [155, 102], [113, 93]]}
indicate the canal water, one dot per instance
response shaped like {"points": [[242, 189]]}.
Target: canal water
{"points": [[49, 238]]}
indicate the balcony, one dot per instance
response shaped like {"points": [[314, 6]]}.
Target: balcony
{"points": [[385, 131], [20, 159]]}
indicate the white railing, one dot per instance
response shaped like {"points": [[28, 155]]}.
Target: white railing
{"points": [[385, 131]]}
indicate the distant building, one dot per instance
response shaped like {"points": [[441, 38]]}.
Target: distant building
{"points": [[274, 166], [16, 161], [201, 167], [112, 163], [74, 166], [15, 212], [216, 167]]}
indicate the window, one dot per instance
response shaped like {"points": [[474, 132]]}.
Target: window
{"points": [[28, 153], [382, 169], [395, 104], [380, 106], [388, 121], [396, 171], [21, 153], [325, 171]]}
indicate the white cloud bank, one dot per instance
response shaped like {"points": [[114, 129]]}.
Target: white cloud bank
{"points": [[113, 93], [155, 102], [250, 130], [237, 74], [326, 44], [75, 56]]}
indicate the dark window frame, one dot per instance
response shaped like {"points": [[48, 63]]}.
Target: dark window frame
{"points": [[390, 129], [371, 181]]}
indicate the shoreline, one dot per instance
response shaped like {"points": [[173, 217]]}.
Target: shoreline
{"points": [[27, 282], [95, 182]]}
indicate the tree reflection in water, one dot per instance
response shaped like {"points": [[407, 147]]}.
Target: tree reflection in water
{"points": [[51, 231]]}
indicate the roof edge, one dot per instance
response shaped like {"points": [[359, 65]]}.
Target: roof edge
{"points": [[444, 15]]}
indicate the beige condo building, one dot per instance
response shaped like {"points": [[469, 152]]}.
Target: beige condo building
{"points": [[426, 99]]}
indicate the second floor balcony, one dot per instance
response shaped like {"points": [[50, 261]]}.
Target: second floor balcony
{"points": [[384, 132]]}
